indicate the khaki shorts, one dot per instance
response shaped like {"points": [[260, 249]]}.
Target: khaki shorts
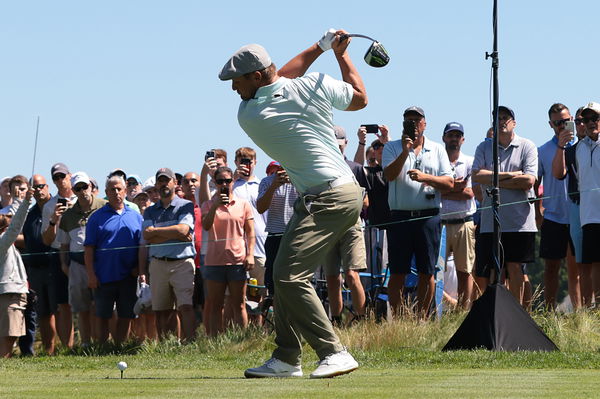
{"points": [[349, 252], [12, 315], [80, 295], [171, 282], [460, 240], [258, 272]]}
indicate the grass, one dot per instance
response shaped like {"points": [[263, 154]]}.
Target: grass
{"points": [[398, 359]]}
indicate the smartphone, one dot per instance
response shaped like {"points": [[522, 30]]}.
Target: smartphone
{"points": [[570, 126], [371, 128], [62, 201], [246, 161], [209, 154], [409, 129], [225, 190]]}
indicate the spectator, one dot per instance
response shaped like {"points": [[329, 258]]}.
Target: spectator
{"points": [[142, 200], [565, 164], [13, 279], [5, 197], [555, 242], [134, 186], [277, 195], [458, 207], [121, 173], [229, 222], [246, 187], [71, 236], [588, 167], [150, 188], [95, 188], [349, 252], [170, 221], [297, 131], [418, 170], [518, 164], [111, 259], [39, 268], [18, 187], [51, 215]]}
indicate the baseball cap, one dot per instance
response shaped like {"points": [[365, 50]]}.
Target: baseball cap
{"points": [[118, 172], [59, 168], [136, 178], [454, 126], [165, 172], [249, 58], [94, 183], [272, 166], [149, 183], [507, 110], [140, 193], [340, 135], [79, 177], [592, 106], [415, 109]]}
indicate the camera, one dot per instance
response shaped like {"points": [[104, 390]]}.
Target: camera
{"points": [[409, 129], [371, 128], [209, 154], [62, 201]]}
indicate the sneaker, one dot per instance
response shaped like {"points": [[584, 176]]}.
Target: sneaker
{"points": [[274, 368], [335, 364]]}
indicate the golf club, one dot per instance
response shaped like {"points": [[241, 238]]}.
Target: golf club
{"points": [[376, 56]]}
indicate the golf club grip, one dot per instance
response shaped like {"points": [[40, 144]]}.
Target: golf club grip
{"points": [[344, 37]]}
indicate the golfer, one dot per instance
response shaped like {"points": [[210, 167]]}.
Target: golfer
{"points": [[289, 116]]}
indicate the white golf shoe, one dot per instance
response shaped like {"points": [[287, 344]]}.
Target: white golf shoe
{"points": [[335, 364], [274, 368]]}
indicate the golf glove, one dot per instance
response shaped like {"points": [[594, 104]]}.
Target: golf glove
{"points": [[327, 39]]}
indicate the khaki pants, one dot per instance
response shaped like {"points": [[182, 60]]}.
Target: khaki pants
{"points": [[317, 225]]}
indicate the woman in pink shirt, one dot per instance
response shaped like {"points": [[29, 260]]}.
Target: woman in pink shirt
{"points": [[230, 251]]}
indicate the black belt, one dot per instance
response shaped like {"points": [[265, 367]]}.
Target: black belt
{"points": [[167, 259], [458, 221], [416, 214]]}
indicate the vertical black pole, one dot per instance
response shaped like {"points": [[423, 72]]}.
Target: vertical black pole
{"points": [[495, 192]]}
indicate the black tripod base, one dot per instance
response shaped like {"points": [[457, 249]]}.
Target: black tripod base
{"points": [[498, 322]]}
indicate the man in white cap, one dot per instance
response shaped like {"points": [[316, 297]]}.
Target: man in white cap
{"points": [[71, 235], [588, 164], [291, 121]]}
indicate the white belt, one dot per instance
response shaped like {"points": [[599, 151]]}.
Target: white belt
{"points": [[318, 189]]}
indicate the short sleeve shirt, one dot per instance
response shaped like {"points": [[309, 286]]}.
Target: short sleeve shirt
{"points": [[291, 121], [555, 190], [516, 212], [179, 211], [226, 238], [248, 190], [282, 204], [407, 195], [453, 209], [49, 210]]}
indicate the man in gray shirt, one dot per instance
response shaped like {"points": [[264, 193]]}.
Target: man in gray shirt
{"points": [[518, 169]]}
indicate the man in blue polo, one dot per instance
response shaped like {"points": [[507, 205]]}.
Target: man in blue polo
{"points": [[418, 169], [291, 120], [112, 235], [169, 229]]}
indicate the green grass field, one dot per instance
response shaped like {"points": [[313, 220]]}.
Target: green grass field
{"points": [[398, 359]]}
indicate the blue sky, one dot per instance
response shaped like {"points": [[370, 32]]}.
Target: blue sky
{"points": [[134, 84]]}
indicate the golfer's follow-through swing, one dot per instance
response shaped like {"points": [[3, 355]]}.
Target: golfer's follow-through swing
{"points": [[289, 116]]}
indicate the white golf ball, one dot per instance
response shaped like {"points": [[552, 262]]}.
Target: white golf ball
{"points": [[121, 366]]}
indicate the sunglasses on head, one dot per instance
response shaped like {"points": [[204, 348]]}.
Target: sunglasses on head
{"points": [[58, 176], [38, 186], [578, 120], [594, 119], [81, 187], [560, 122], [223, 181]]}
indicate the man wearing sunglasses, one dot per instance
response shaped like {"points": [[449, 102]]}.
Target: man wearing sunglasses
{"points": [[51, 215], [588, 162], [71, 235], [555, 243], [290, 117]]}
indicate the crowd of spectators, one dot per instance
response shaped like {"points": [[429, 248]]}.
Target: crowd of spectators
{"points": [[199, 239]]}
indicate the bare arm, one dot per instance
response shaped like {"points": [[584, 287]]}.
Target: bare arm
{"points": [[298, 65], [359, 156], [349, 72], [143, 262], [440, 183], [88, 256], [250, 242], [157, 235], [392, 171], [484, 176]]}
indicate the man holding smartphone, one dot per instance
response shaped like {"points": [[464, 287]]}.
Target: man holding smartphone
{"points": [[418, 170], [553, 219], [291, 120]]}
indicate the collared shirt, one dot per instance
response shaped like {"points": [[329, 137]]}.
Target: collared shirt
{"points": [[49, 210], [291, 121], [179, 211], [378, 212], [454, 209], [588, 167], [282, 204], [248, 190], [227, 238], [115, 237], [519, 216], [556, 205], [405, 194], [72, 228]]}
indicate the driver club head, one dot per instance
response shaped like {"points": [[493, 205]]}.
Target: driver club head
{"points": [[377, 56]]}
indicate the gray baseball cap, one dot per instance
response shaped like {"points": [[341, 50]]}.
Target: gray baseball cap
{"points": [[415, 109], [249, 58]]}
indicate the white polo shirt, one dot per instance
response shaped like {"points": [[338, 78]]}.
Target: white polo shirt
{"points": [[405, 194], [291, 121], [588, 169], [453, 209]]}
